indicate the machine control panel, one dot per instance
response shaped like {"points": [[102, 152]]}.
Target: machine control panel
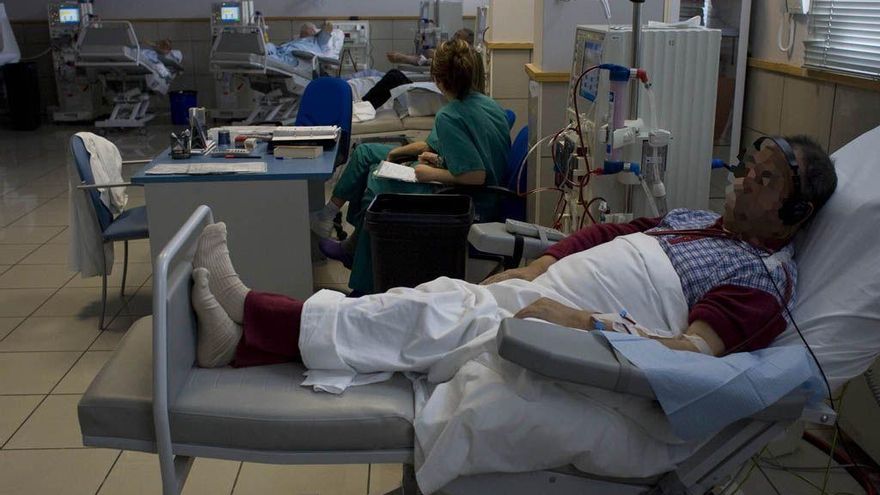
{"points": [[64, 19]]}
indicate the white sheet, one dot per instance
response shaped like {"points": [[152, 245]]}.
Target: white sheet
{"points": [[419, 99], [446, 330], [838, 305]]}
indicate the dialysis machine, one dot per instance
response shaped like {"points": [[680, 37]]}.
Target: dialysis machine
{"points": [[641, 112], [235, 97], [356, 46], [438, 21], [76, 94]]}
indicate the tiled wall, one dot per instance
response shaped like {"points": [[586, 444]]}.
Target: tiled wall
{"points": [[193, 38], [833, 114]]}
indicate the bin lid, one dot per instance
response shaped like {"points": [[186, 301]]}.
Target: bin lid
{"points": [[423, 209]]}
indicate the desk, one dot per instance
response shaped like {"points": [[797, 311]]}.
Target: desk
{"points": [[267, 215]]}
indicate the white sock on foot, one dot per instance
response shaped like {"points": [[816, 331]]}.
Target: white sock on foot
{"points": [[218, 334], [212, 253], [321, 221]]}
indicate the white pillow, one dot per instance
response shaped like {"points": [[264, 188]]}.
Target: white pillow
{"points": [[838, 257]]}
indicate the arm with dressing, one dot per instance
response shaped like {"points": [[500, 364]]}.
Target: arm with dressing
{"points": [[723, 320]]}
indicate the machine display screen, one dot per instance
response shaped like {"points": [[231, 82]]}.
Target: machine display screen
{"points": [[592, 56], [68, 15], [230, 13]]}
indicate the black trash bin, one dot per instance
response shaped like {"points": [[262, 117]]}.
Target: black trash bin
{"points": [[23, 95], [418, 237]]}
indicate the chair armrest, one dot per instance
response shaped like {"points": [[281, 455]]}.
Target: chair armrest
{"points": [[108, 186], [571, 355]]}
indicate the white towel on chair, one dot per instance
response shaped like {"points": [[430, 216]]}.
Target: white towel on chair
{"points": [[87, 253]]}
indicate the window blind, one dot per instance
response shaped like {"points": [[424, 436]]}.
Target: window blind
{"points": [[844, 36]]}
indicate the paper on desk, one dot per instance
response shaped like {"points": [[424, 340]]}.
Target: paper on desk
{"points": [[201, 168]]}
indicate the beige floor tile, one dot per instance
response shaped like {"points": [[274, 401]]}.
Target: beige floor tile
{"points": [[47, 191], [22, 302], [11, 254], [110, 338], [33, 372], [47, 254], [67, 333], [138, 473], [138, 252], [384, 478], [78, 379], [28, 234], [61, 238], [140, 304], [53, 425], [7, 325], [80, 302], [35, 277], [16, 409], [137, 274], [42, 472], [4, 268], [301, 480], [45, 216], [839, 482]]}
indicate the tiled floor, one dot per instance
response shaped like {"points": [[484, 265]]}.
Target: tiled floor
{"points": [[50, 349]]}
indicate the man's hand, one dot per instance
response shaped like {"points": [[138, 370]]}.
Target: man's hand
{"points": [[527, 273], [553, 312], [429, 158]]}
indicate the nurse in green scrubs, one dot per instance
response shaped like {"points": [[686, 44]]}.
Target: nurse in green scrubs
{"points": [[468, 145]]}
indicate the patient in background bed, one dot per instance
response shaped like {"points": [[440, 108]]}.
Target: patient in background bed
{"points": [[736, 274], [324, 42]]}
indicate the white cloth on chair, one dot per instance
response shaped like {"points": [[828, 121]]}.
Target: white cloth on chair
{"points": [[9, 51], [85, 248]]}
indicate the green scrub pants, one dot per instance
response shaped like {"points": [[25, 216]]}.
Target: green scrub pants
{"points": [[358, 186]]}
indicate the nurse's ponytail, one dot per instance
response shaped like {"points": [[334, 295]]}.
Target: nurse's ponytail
{"points": [[458, 69]]}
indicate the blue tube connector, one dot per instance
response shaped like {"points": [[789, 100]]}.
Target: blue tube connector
{"points": [[615, 167], [617, 72]]}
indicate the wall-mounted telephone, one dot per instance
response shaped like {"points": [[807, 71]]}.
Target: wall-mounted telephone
{"points": [[797, 6]]}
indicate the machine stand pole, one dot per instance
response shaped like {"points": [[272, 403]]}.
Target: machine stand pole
{"points": [[636, 58]]}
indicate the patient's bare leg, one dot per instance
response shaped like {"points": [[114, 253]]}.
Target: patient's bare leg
{"points": [[212, 253], [218, 334]]}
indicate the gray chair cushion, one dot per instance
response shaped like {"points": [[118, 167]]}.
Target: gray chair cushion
{"points": [[385, 121], [118, 403], [261, 408]]}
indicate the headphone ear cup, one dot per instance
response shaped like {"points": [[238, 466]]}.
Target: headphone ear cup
{"points": [[793, 212]]}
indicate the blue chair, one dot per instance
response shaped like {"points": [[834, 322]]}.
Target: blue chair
{"points": [[130, 225], [327, 101], [511, 117]]}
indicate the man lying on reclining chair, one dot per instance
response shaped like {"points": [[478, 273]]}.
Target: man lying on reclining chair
{"points": [[723, 264]]}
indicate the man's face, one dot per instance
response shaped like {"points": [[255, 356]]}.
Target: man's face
{"points": [[752, 206], [307, 30]]}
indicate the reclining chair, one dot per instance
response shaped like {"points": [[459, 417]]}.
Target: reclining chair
{"points": [[160, 401], [111, 48]]}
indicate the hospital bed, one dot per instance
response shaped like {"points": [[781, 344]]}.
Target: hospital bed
{"points": [[161, 402], [112, 50], [242, 50]]}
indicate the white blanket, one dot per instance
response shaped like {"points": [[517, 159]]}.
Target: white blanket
{"points": [[9, 52], [476, 413]]}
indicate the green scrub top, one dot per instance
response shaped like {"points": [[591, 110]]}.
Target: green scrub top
{"points": [[470, 134]]}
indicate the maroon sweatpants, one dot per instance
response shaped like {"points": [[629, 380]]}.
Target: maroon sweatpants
{"points": [[270, 331]]}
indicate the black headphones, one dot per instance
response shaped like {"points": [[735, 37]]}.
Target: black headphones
{"points": [[795, 208]]}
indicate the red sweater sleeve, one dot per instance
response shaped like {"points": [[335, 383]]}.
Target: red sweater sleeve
{"points": [[745, 319], [594, 235]]}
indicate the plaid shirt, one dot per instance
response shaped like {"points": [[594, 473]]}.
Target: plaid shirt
{"points": [[704, 263]]}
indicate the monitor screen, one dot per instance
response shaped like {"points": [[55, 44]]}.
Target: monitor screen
{"points": [[68, 15], [230, 13]]}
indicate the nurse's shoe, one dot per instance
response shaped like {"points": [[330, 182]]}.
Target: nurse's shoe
{"points": [[320, 224], [336, 251]]}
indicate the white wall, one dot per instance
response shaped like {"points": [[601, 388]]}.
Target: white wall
{"points": [[511, 20], [554, 37], [169, 9], [766, 16]]}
